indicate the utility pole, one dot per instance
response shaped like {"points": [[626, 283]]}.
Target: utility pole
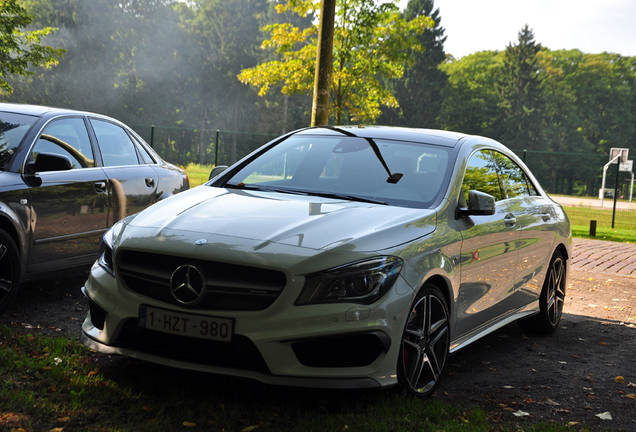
{"points": [[324, 63]]}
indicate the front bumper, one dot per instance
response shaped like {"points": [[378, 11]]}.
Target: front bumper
{"points": [[319, 346]]}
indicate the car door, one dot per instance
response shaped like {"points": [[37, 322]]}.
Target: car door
{"points": [[489, 250], [69, 206], [132, 183], [535, 220]]}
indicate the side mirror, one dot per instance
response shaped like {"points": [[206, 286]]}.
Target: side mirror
{"points": [[479, 204], [49, 162], [216, 171]]}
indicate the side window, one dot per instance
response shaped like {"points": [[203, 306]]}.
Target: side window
{"points": [[116, 146], [481, 175], [67, 137], [515, 181]]}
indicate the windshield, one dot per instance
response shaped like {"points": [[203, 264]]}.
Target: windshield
{"points": [[13, 127], [348, 168]]}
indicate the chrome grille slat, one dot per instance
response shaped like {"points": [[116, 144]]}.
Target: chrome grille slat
{"points": [[229, 286]]}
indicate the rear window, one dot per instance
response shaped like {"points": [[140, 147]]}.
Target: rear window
{"points": [[13, 128]]}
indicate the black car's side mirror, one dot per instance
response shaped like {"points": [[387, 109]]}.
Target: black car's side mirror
{"points": [[216, 171], [49, 162], [479, 204]]}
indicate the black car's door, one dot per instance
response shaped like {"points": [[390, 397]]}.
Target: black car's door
{"points": [[69, 206], [132, 183]]}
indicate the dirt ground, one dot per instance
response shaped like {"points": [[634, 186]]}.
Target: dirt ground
{"points": [[584, 373]]}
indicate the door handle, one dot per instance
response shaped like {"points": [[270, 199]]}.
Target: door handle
{"points": [[150, 182], [510, 220], [100, 187]]}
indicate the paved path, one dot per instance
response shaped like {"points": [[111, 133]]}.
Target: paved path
{"points": [[604, 257]]}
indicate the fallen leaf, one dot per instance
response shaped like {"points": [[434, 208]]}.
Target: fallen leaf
{"points": [[551, 402], [57, 361], [603, 343], [147, 409], [631, 396], [249, 428], [92, 373], [572, 423], [520, 413], [189, 424], [619, 379], [63, 419], [631, 384], [508, 387], [56, 430], [604, 416]]}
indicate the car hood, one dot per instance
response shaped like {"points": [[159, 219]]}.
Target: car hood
{"points": [[294, 220]]}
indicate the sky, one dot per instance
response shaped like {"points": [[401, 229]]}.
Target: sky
{"points": [[592, 26]]}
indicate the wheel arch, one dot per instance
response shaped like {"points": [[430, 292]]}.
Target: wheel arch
{"points": [[7, 225], [443, 284]]}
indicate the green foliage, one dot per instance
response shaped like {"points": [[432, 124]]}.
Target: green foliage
{"points": [[419, 90], [20, 49], [371, 44], [521, 122]]}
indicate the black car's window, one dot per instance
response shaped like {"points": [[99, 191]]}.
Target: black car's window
{"points": [[481, 175], [146, 158], [348, 166], [515, 181], [66, 137], [116, 146], [13, 128]]}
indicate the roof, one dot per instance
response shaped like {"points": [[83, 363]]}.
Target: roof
{"points": [[430, 136]]}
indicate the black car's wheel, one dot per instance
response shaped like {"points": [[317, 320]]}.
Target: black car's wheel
{"points": [[425, 343], [9, 270], [550, 301]]}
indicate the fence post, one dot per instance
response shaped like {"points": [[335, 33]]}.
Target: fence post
{"points": [[592, 228], [216, 149], [152, 136]]}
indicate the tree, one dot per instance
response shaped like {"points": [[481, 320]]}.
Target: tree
{"points": [[521, 98], [20, 49], [370, 46], [419, 91], [470, 99]]}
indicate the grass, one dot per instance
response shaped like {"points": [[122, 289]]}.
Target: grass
{"points": [[58, 384], [198, 174]]}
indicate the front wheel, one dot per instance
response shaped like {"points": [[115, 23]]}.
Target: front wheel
{"points": [[551, 300], [425, 343], [9, 270]]}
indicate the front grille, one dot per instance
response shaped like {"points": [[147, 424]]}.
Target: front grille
{"points": [[229, 287], [241, 353]]}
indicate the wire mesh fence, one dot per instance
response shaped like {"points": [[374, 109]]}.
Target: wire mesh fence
{"points": [[572, 179], [202, 146], [575, 181]]}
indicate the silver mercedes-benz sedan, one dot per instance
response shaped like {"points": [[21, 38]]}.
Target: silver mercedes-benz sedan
{"points": [[335, 257]]}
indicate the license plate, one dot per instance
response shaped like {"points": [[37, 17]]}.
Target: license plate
{"points": [[184, 324]]}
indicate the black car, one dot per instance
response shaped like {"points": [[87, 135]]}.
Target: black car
{"points": [[65, 177]]}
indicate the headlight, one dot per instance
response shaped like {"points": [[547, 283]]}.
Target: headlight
{"points": [[105, 259], [362, 282]]}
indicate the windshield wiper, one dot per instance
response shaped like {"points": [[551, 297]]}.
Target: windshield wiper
{"points": [[256, 187], [393, 177], [347, 197]]}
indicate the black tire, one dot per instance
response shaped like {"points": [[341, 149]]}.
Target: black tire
{"points": [[425, 343], [9, 270], [550, 301]]}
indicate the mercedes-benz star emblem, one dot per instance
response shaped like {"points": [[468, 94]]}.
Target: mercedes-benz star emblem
{"points": [[187, 284]]}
